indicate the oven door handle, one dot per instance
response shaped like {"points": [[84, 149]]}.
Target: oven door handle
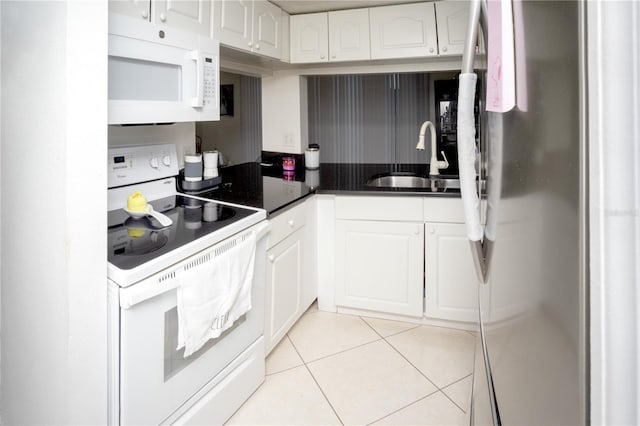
{"points": [[169, 280]]}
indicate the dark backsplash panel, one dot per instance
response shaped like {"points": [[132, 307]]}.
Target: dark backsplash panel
{"points": [[372, 118]]}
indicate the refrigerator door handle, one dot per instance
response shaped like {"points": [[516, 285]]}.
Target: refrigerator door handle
{"points": [[467, 146]]}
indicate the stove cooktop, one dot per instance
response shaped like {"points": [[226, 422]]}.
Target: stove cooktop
{"points": [[134, 242]]}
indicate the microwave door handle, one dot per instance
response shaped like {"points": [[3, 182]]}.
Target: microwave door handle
{"points": [[198, 100]]}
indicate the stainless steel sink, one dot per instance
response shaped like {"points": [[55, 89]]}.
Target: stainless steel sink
{"points": [[399, 181], [411, 180], [446, 183]]}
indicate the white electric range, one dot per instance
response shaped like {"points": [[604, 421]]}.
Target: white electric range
{"points": [[150, 381]]}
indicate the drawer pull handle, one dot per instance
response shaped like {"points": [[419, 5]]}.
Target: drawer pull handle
{"points": [[291, 223]]}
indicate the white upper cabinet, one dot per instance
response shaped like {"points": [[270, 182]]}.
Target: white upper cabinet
{"points": [[333, 36], [267, 21], [232, 23], [188, 15], [135, 8], [250, 25], [309, 38], [349, 35], [403, 31], [385, 32], [452, 17]]}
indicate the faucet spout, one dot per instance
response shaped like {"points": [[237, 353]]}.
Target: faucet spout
{"points": [[434, 164], [423, 129]]}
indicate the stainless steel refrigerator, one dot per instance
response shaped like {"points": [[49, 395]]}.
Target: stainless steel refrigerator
{"points": [[527, 231]]}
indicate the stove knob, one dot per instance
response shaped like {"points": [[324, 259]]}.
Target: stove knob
{"points": [[166, 160], [154, 162]]}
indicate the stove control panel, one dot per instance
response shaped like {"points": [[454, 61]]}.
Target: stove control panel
{"points": [[128, 165]]}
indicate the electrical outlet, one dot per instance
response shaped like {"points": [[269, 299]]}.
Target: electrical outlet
{"points": [[288, 139]]}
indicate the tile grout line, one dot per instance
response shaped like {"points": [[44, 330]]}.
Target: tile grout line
{"points": [[438, 389], [407, 406], [453, 383], [285, 370], [392, 334], [315, 381], [339, 352], [371, 327], [381, 337], [410, 363], [441, 389]]}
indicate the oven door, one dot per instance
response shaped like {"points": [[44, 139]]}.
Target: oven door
{"points": [[160, 74], [156, 384]]}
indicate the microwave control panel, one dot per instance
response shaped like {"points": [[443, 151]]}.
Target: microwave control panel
{"points": [[210, 81], [134, 164]]}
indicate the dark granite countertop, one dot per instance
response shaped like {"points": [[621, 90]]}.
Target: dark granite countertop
{"points": [[268, 187]]}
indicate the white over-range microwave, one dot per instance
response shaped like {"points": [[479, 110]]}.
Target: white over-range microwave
{"points": [[161, 75]]}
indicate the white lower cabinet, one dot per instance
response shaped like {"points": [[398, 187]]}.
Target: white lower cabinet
{"points": [[379, 266], [284, 287], [290, 285], [406, 256], [450, 278]]}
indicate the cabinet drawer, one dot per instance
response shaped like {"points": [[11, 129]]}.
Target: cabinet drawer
{"points": [[286, 223], [449, 210], [379, 208]]}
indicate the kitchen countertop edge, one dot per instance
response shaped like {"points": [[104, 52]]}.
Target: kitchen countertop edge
{"points": [[257, 185]]}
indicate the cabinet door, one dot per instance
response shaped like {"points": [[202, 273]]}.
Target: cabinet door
{"points": [[187, 15], [450, 279], [283, 287], [135, 8], [266, 29], [452, 18], [379, 266], [403, 31], [233, 23], [309, 38], [349, 35]]}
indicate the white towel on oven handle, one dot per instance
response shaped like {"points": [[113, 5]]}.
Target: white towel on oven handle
{"points": [[214, 294]]}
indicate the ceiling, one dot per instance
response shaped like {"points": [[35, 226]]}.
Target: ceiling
{"points": [[294, 7]]}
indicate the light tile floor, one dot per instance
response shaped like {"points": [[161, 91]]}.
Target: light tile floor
{"points": [[334, 369]]}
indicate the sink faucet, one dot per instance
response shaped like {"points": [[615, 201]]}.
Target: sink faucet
{"points": [[434, 164]]}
